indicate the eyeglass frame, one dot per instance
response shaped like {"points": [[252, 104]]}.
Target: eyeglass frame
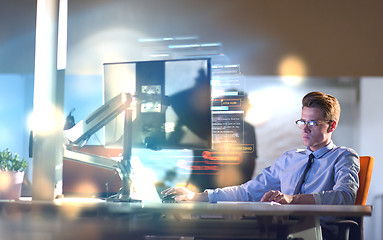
{"points": [[308, 123]]}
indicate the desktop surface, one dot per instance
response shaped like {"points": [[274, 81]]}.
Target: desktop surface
{"points": [[74, 218], [258, 208]]}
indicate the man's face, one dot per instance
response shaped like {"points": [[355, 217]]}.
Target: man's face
{"points": [[316, 137]]}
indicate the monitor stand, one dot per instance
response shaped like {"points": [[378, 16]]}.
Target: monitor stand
{"points": [[125, 165]]}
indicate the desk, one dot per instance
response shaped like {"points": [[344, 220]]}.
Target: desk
{"points": [[73, 219]]}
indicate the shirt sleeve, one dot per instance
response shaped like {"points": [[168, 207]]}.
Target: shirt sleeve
{"points": [[252, 190], [346, 169]]}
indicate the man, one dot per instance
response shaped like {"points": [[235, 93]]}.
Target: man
{"points": [[331, 176]]}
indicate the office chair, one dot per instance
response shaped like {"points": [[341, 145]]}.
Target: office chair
{"points": [[365, 173], [355, 226]]}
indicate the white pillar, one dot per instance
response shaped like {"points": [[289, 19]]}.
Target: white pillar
{"points": [[47, 106]]}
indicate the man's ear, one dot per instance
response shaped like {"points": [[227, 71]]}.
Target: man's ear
{"points": [[332, 126]]}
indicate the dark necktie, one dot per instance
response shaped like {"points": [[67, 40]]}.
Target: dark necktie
{"points": [[302, 179]]}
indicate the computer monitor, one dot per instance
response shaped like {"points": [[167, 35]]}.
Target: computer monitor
{"points": [[173, 103]]}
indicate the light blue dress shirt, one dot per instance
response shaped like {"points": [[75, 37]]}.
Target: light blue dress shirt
{"points": [[332, 178]]}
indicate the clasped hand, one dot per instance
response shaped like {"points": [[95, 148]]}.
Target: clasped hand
{"points": [[277, 196]]}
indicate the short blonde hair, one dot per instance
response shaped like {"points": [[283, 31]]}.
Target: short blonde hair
{"points": [[329, 104]]}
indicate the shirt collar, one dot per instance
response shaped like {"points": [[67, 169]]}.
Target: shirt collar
{"points": [[321, 152]]}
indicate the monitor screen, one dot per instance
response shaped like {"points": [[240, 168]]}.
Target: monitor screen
{"points": [[172, 107]]}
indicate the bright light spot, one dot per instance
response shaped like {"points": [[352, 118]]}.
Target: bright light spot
{"points": [[143, 180], [292, 65], [169, 127], [261, 110], [182, 163], [215, 82], [160, 55], [46, 119], [292, 80], [269, 103], [229, 176], [217, 93], [5, 181]]}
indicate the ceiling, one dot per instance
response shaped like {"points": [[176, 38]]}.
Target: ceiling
{"points": [[325, 38]]}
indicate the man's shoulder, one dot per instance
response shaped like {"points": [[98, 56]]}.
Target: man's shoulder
{"points": [[345, 150], [295, 152], [339, 150], [345, 154]]}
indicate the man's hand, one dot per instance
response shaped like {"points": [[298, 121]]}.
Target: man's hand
{"points": [[184, 194], [277, 196]]}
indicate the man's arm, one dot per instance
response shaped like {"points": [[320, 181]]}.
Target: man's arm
{"points": [[198, 197]]}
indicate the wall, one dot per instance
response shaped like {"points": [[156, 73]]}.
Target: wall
{"points": [[16, 93], [371, 132], [83, 95]]}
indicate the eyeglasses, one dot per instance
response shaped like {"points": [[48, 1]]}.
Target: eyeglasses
{"points": [[311, 124]]}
